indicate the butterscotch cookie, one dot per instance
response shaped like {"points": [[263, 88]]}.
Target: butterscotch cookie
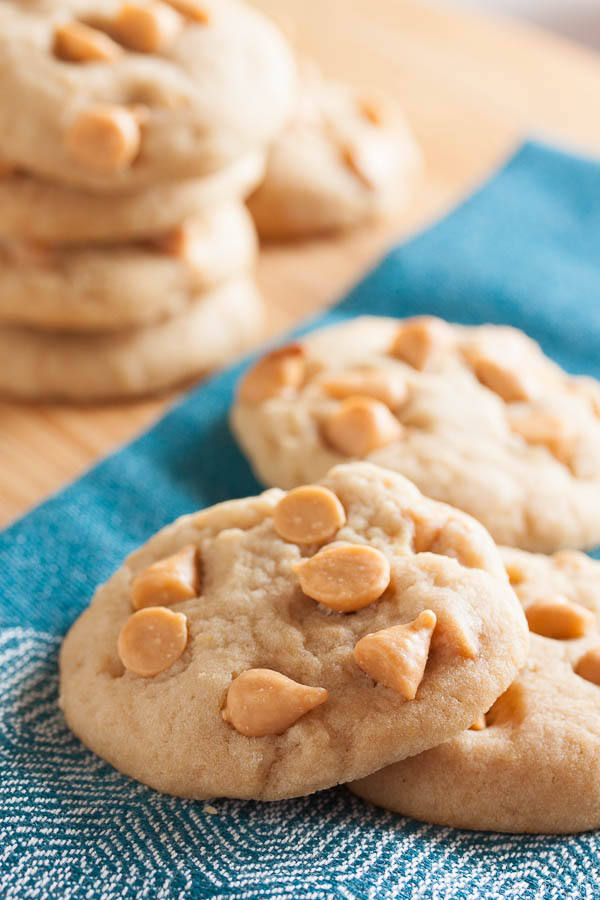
{"points": [[91, 288], [39, 210], [530, 764], [343, 158], [84, 367], [476, 417], [118, 95], [276, 645]]}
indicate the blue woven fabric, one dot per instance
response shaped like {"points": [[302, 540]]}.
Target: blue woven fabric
{"points": [[523, 250]]}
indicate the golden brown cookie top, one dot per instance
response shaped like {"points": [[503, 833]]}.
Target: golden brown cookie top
{"points": [[477, 417], [276, 645], [123, 94]]}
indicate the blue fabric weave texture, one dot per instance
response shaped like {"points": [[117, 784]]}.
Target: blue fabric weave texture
{"points": [[523, 250]]}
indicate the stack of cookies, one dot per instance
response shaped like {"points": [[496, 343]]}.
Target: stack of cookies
{"points": [[130, 135], [344, 627]]}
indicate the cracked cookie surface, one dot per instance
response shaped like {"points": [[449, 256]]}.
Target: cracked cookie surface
{"points": [[476, 417], [258, 690], [532, 763]]}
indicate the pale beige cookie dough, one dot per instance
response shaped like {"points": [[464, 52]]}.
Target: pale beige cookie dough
{"points": [[40, 210], [91, 288], [119, 95], [343, 158], [477, 417], [211, 329], [532, 764], [273, 646]]}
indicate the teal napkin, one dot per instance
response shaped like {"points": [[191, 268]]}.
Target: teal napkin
{"points": [[523, 250]]}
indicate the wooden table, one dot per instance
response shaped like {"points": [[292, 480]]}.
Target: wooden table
{"points": [[471, 87]]}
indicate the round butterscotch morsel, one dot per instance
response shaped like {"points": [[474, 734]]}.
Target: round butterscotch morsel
{"points": [[360, 426], [519, 449], [422, 341], [280, 373], [147, 28], [528, 764], [588, 666], [309, 515], [105, 138], [344, 577], [505, 378], [559, 618], [397, 656], [167, 581], [262, 702], [77, 42], [152, 640], [387, 387], [267, 701]]}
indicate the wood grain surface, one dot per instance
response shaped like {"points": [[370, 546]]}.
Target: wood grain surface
{"points": [[472, 88]]}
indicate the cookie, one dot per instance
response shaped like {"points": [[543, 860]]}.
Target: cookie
{"points": [[215, 326], [90, 288], [344, 157], [120, 95], [273, 646], [477, 417], [530, 764], [38, 210]]}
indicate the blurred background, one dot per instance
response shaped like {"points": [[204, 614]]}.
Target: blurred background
{"points": [[577, 19]]}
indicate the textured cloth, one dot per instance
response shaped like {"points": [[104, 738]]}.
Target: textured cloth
{"points": [[524, 251]]}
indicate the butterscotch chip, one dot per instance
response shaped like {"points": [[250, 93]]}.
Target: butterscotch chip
{"points": [[479, 724], [397, 656], [344, 577], [261, 702], [167, 581], [181, 241], [384, 386], [308, 515], [191, 9], [147, 28], [588, 666], [151, 640], [550, 431], [504, 378], [361, 425], [106, 138], [372, 109], [77, 42], [279, 373], [421, 342], [559, 618]]}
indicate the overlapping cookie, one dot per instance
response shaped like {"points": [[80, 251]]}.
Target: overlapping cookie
{"points": [[107, 288], [530, 764], [344, 157], [276, 645], [477, 417], [211, 329], [119, 95], [39, 210]]}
